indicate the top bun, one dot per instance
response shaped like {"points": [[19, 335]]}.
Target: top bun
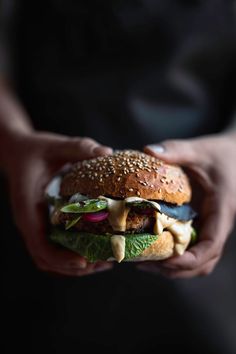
{"points": [[128, 173]]}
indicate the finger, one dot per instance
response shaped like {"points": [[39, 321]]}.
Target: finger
{"points": [[46, 253], [74, 149], [50, 258], [91, 268], [158, 268], [215, 230], [205, 270], [149, 266], [30, 213], [183, 152]]}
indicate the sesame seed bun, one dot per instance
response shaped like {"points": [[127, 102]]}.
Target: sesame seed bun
{"points": [[125, 174]]}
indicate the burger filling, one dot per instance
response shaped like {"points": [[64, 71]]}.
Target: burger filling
{"points": [[105, 228]]}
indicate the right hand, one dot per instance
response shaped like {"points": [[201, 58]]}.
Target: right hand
{"points": [[34, 158]]}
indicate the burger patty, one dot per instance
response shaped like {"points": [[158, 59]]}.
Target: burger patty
{"points": [[135, 223]]}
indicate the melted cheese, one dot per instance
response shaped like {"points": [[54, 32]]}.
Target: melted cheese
{"points": [[182, 233], [180, 230], [118, 212], [118, 247], [119, 209], [162, 222]]}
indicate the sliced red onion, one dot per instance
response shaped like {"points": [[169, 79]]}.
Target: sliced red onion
{"points": [[96, 217]]}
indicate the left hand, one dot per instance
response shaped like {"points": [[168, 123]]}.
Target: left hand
{"points": [[210, 161], [35, 159]]}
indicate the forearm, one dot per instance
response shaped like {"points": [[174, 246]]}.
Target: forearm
{"points": [[14, 123]]}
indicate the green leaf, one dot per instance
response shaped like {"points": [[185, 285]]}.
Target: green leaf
{"points": [[135, 244], [91, 246], [71, 223], [194, 237], [86, 206], [98, 247]]}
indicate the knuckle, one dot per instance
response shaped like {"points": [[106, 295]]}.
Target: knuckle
{"points": [[195, 262], [192, 266], [218, 253], [171, 143], [206, 271], [76, 140], [87, 141]]}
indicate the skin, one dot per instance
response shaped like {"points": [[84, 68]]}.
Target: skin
{"points": [[209, 163], [30, 159]]}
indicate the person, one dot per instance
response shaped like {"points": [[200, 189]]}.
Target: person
{"points": [[92, 78]]}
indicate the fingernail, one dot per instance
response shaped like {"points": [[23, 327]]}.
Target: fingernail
{"points": [[159, 149], [80, 264], [83, 265]]}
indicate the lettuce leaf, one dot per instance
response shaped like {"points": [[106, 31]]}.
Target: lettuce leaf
{"points": [[98, 247], [194, 237], [91, 246], [135, 244]]}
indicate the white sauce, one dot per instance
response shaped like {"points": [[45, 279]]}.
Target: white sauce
{"points": [[180, 230], [118, 247], [118, 212], [155, 205], [182, 233]]}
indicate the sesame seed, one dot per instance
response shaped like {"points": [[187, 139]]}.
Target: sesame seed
{"points": [[131, 189]]}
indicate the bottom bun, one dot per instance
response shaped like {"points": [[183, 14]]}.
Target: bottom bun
{"points": [[98, 247]]}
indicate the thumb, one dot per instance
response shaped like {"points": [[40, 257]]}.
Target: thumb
{"points": [[183, 152], [67, 149]]}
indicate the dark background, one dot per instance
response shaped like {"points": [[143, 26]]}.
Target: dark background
{"points": [[126, 73]]}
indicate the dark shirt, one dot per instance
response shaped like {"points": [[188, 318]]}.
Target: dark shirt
{"points": [[127, 73]]}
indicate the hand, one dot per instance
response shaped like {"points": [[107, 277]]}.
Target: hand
{"points": [[210, 162], [32, 162]]}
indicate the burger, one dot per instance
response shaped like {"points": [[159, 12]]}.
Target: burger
{"points": [[128, 206]]}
